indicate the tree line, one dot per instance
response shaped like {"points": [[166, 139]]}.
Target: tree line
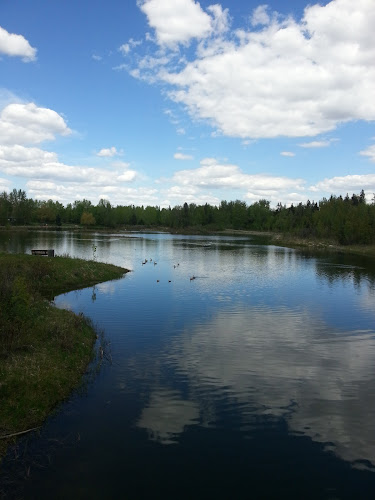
{"points": [[347, 220]]}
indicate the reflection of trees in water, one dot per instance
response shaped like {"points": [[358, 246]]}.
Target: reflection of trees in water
{"points": [[334, 267]]}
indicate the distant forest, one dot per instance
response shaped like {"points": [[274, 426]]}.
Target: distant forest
{"points": [[347, 220]]}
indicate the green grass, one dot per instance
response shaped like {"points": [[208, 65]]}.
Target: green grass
{"points": [[44, 351], [321, 244]]}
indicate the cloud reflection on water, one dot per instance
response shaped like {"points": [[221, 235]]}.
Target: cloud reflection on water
{"points": [[277, 362], [166, 416]]}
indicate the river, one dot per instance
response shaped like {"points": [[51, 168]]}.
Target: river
{"points": [[255, 379]]}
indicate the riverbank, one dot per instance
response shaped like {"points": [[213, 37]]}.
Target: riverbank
{"points": [[44, 351], [287, 240], [317, 244]]}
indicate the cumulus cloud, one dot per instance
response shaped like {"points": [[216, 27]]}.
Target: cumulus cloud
{"points": [[177, 195], [51, 178], [285, 77], [182, 156], [17, 154], [260, 16], [220, 21], [4, 185], [67, 192], [16, 45], [108, 152], [213, 174], [23, 126], [30, 124], [36, 163], [346, 184], [370, 152], [214, 180], [176, 22], [287, 153], [127, 176]]}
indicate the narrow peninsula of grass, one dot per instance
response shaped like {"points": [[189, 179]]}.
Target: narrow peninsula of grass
{"points": [[43, 350]]}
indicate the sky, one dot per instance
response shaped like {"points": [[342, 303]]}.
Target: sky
{"points": [[162, 102]]}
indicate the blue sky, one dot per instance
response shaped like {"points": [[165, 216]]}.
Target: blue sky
{"points": [[158, 102]]}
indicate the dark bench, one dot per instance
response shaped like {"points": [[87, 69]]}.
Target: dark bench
{"points": [[47, 253]]}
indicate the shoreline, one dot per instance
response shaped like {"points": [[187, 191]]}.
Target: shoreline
{"points": [[45, 350]]}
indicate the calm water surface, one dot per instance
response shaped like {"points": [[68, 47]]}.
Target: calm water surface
{"points": [[254, 380]]}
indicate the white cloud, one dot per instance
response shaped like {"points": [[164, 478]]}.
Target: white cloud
{"points": [[177, 195], [287, 153], [127, 176], [30, 124], [108, 152], [17, 154], [209, 161], [124, 48], [213, 174], [24, 125], [260, 16], [182, 156], [214, 180], [315, 144], [288, 78], [96, 57], [346, 184], [43, 168], [4, 185], [370, 152], [68, 192], [176, 22], [16, 45], [36, 163], [120, 164], [121, 67], [134, 43], [220, 19]]}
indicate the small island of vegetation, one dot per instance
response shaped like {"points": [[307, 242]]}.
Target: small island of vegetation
{"points": [[44, 350]]}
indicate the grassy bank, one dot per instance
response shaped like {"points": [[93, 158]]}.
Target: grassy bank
{"points": [[292, 241], [43, 350], [321, 244]]}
